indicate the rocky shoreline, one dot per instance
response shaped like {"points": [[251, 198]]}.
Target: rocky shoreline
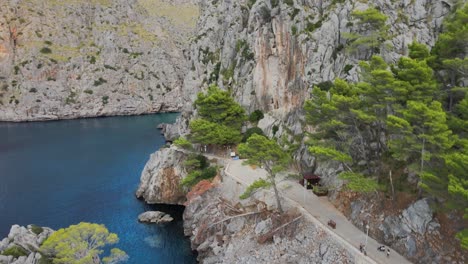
{"points": [[22, 244], [46, 118]]}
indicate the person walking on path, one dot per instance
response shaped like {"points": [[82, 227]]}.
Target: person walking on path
{"points": [[388, 252]]}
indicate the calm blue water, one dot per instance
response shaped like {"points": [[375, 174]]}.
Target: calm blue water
{"points": [[60, 173]]}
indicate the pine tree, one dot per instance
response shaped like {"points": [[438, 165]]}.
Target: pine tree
{"points": [[265, 152], [420, 134], [373, 32], [449, 54], [220, 121]]}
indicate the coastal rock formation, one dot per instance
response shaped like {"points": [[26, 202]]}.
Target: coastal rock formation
{"points": [[24, 240], [155, 217], [160, 179], [270, 54], [70, 59]]}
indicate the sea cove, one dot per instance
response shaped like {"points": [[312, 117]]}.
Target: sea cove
{"points": [[64, 172]]}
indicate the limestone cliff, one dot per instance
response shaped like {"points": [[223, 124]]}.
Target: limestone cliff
{"points": [[270, 53], [25, 241], [69, 59], [160, 179]]}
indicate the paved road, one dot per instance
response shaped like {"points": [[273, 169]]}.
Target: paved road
{"points": [[319, 208]]}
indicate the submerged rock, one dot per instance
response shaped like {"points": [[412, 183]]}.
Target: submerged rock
{"points": [[155, 217]]}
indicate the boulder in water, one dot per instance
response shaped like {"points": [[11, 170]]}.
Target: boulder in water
{"points": [[155, 217]]}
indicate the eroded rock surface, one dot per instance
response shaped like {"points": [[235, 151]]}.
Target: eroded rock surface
{"points": [[27, 239], [221, 234], [155, 217], [70, 59], [160, 179]]}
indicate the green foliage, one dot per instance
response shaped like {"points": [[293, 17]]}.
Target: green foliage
{"points": [[275, 129], [221, 118], [252, 131], [116, 256], [199, 170], [265, 152], [100, 81], [46, 50], [196, 162], [183, 143], [219, 107], [463, 237], [80, 244], [449, 56], [261, 151], [394, 101], [256, 116], [243, 47], [373, 25], [92, 60], [258, 184], [420, 134], [105, 99], [251, 3], [15, 251], [206, 132], [329, 153], [36, 229], [347, 68], [195, 177], [294, 30], [418, 51], [358, 182]]}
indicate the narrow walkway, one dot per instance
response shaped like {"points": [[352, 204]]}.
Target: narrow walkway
{"points": [[321, 209]]}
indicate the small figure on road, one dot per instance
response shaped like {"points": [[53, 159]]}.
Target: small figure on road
{"points": [[361, 248], [388, 252], [381, 248]]}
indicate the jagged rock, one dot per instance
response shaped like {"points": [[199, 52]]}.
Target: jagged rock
{"points": [[411, 246], [236, 225], [263, 227], [160, 179], [418, 216], [27, 239], [155, 217], [236, 241]]}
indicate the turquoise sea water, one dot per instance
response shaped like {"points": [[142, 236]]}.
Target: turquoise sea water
{"points": [[60, 173]]}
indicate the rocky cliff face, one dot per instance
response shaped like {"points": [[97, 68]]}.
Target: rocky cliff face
{"points": [[70, 59], [270, 53], [410, 227], [26, 242], [160, 179]]}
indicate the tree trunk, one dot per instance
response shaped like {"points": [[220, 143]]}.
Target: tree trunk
{"points": [[391, 184], [278, 201], [422, 155], [422, 166]]}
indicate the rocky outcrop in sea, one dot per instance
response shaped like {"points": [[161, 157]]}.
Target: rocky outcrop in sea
{"points": [[161, 177], [22, 244], [155, 217]]}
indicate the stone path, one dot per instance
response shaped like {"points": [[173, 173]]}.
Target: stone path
{"points": [[320, 208]]}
